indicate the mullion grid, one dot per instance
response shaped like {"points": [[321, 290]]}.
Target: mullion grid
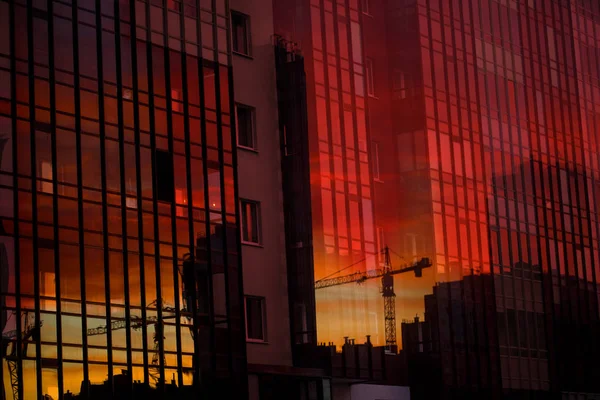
{"points": [[34, 177], [13, 69], [60, 374], [123, 199], [103, 184]]}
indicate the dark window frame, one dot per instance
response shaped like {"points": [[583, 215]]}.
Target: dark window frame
{"points": [[263, 319], [243, 227], [252, 112], [370, 77], [245, 48]]}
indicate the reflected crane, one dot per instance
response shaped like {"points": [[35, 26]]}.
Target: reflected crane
{"points": [[136, 322], [387, 287], [30, 332], [195, 279]]}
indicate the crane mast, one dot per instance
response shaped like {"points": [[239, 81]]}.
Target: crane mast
{"points": [[136, 322], [31, 331], [389, 301], [387, 288]]}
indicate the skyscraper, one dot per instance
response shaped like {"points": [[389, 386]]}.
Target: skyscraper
{"points": [[495, 115], [330, 37], [481, 136]]}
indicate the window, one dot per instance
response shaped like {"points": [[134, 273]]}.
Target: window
{"points": [[380, 243], [245, 126], [250, 221], [174, 5], [399, 84], [301, 324], [255, 319], [46, 174], [165, 185], [370, 80], [240, 32], [48, 289], [365, 7], [176, 100], [376, 168]]}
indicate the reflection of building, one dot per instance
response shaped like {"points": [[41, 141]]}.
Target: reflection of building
{"points": [[458, 335], [493, 161], [338, 164], [118, 125], [284, 360], [519, 349], [126, 388]]}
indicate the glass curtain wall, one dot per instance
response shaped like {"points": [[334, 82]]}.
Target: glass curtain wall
{"points": [[343, 220], [117, 178], [510, 96]]}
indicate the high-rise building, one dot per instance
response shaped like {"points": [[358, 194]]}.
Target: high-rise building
{"points": [[119, 244], [344, 240], [495, 117], [476, 123], [149, 149]]}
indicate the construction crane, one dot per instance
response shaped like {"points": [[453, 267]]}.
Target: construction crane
{"points": [[31, 331], [387, 287], [136, 323], [194, 279]]}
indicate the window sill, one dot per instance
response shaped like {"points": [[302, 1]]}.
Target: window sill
{"points": [[378, 180], [367, 14], [256, 341], [372, 96], [248, 149], [247, 56], [252, 244]]}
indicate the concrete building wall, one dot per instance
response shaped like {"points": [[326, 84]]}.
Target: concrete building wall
{"points": [[370, 392], [260, 180]]}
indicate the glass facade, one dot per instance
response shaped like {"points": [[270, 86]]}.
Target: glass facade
{"points": [[119, 239], [481, 127], [341, 181], [506, 145]]}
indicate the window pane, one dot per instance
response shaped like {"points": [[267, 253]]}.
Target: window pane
{"points": [[254, 318], [250, 217], [245, 119], [165, 184], [239, 23]]}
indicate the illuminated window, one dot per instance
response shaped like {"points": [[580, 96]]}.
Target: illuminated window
{"points": [[410, 245], [48, 289], [240, 32], [46, 174], [370, 78], [246, 136], [176, 104], [180, 198], [255, 319], [130, 202], [250, 221], [174, 5]]}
